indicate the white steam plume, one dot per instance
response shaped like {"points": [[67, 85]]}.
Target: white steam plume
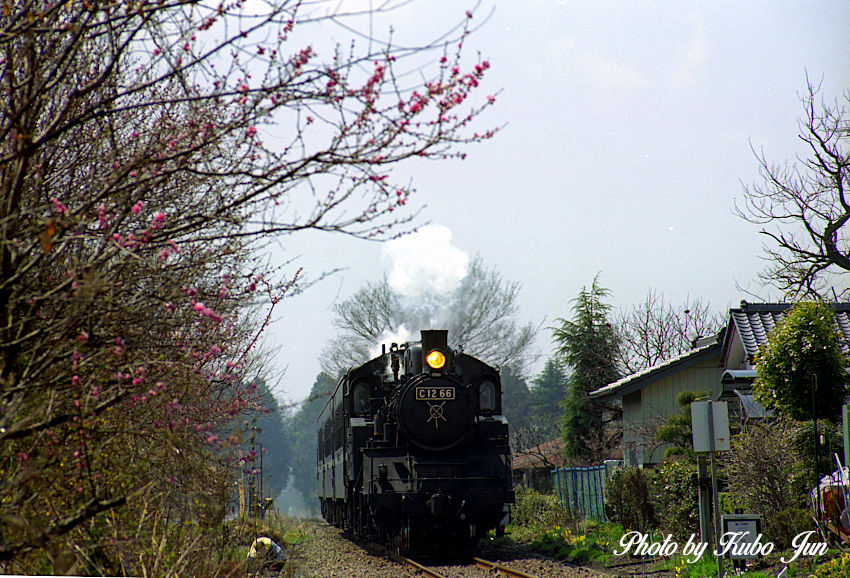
{"points": [[426, 263], [400, 335]]}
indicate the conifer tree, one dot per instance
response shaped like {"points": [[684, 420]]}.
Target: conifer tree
{"points": [[548, 390], [588, 344]]}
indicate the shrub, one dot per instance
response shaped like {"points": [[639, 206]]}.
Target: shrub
{"points": [[674, 497], [804, 344], [627, 499], [538, 511], [767, 476]]}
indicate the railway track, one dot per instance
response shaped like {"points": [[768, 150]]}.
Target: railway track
{"points": [[486, 565]]}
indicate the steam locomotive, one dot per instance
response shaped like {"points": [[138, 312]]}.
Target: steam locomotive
{"points": [[413, 449]]}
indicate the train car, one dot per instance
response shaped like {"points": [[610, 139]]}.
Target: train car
{"points": [[413, 449]]}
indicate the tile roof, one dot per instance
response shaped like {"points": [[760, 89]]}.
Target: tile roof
{"points": [[754, 321], [542, 456], [642, 378]]}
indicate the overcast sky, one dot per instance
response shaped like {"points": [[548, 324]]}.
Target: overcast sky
{"points": [[629, 132]]}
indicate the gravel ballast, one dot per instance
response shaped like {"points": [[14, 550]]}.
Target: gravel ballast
{"points": [[326, 552]]}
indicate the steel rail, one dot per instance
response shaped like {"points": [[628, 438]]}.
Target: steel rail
{"points": [[500, 569], [424, 569]]}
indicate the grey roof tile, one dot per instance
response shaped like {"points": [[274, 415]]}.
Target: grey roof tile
{"points": [[754, 321]]}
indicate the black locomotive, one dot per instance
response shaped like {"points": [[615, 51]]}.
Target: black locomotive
{"points": [[413, 449]]}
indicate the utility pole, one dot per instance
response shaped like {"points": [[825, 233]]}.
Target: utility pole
{"points": [[710, 430], [262, 490], [714, 496], [817, 444], [252, 497]]}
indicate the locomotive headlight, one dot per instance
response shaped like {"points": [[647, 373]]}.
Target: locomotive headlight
{"points": [[435, 359]]}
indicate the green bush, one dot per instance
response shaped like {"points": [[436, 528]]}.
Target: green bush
{"points": [[766, 474], [627, 499], [784, 525], [674, 497], [538, 511]]}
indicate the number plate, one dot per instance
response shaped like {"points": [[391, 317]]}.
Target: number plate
{"points": [[434, 393]]}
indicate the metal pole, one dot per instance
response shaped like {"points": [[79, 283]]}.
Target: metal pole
{"points": [[714, 496], [251, 493], [845, 422], [817, 443], [705, 533], [262, 489]]}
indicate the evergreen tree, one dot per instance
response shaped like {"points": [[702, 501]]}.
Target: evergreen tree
{"points": [[548, 390], [588, 344], [301, 432], [270, 439], [541, 423], [515, 398], [677, 430]]}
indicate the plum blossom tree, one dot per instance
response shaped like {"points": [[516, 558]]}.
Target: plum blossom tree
{"points": [[147, 151]]}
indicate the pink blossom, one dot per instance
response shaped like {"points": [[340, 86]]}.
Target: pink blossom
{"points": [[251, 131], [137, 208], [59, 207]]}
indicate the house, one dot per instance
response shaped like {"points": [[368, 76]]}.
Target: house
{"points": [[649, 396], [723, 365], [532, 467]]}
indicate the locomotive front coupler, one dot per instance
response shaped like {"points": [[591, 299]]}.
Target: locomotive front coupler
{"points": [[440, 504]]}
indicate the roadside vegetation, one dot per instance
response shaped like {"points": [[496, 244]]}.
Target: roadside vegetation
{"points": [[540, 523]]}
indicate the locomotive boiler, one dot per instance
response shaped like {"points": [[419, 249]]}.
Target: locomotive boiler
{"points": [[413, 448]]}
